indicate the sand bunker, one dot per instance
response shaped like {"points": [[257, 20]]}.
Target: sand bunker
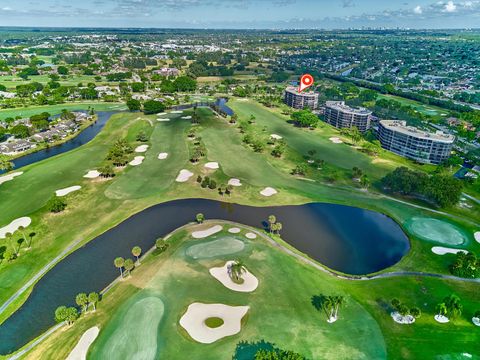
{"points": [[137, 160], [14, 225], [476, 321], [234, 230], [268, 191], [435, 230], [186, 117], [250, 235], [176, 112], [219, 247], [222, 274], [80, 350], [440, 250], [163, 119], [162, 156], [234, 182], [133, 330], [212, 165], [68, 190], [9, 177], [91, 174], [441, 319], [208, 232], [161, 114], [477, 236], [193, 321], [400, 319], [184, 175], [276, 137], [335, 140], [141, 148]]}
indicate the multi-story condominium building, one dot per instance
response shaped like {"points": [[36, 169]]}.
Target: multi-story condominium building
{"points": [[300, 100], [340, 115], [413, 143]]}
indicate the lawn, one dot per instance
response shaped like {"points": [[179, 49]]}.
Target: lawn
{"points": [[140, 315]]}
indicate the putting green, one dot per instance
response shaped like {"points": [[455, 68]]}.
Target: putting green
{"points": [[132, 332], [222, 246], [436, 230]]}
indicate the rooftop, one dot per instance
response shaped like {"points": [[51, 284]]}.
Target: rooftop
{"points": [[341, 106], [401, 126], [294, 90]]}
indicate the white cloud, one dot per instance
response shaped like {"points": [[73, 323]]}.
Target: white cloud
{"points": [[418, 10], [450, 7]]}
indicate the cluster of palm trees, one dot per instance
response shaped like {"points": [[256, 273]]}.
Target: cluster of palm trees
{"points": [[13, 249], [273, 225], [128, 264], [71, 314], [5, 164], [236, 270], [329, 304], [404, 310], [450, 307]]}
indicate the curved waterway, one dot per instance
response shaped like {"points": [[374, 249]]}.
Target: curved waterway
{"points": [[347, 239], [85, 136]]}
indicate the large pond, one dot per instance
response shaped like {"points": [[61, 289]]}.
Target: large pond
{"points": [[347, 239], [85, 136]]}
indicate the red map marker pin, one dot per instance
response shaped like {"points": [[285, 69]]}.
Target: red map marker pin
{"points": [[305, 82]]}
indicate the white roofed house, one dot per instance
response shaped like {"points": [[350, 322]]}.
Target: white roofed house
{"points": [[16, 147]]}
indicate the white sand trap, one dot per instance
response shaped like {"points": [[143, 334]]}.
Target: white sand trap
{"points": [[186, 117], [162, 156], [161, 114], [234, 182], [137, 160], [440, 250], [177, 112], [268, 191], [193, 321], [80, 350], [92, 174], [476, 321], [212, 165], [9, 177], [14, 225], [208, 232], [250, 235], [141, 149], [335, 140], [184, 175], [68, 190], [477, 236], [400, 319], [163, 119], [250, 282], [234, 230], [276, 137], [441, 319]]}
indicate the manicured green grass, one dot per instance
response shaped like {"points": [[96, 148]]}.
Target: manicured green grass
{"points": [[280, 311], [56, 109]]}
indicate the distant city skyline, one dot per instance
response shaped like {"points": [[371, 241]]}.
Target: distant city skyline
{"points": [[242, 14]]}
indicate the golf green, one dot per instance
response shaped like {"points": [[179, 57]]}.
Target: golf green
{"points": [[436, 230], [223, 246]]}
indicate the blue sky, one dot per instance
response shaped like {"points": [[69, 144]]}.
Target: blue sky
{"points": [[242, 13]]}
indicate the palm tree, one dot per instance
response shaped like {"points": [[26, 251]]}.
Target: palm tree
{"points": [[278, 227], [441, 309], [129, 265], [82, 300], [119, 262], [31, 236], [327, 306], [5, 164], [453, 305], [365, 181], [93, 299], [22, 230], [415, 312], [271, 220], [136, 251], [338, 301], [9, 238], [236, 269], [200, 218]]}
